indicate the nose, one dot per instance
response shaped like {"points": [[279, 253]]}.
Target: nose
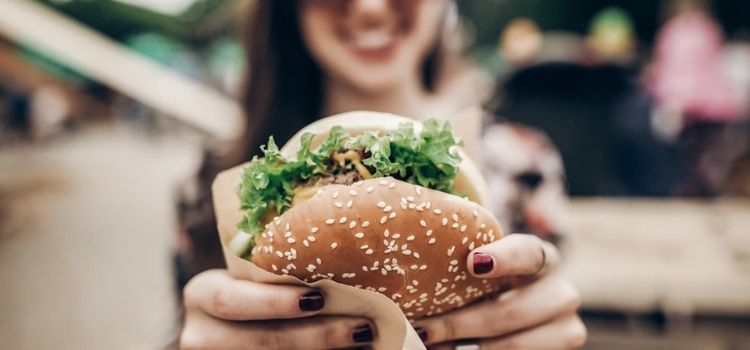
{"points": [[530, 179], [369, 13]]}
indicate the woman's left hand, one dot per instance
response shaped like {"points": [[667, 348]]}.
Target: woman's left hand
{"points": [[540, 311]]}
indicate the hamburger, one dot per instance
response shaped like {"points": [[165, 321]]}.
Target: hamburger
{"points": [[374, 201]]}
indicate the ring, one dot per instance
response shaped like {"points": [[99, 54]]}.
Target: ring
{"points": [[543, 267], [467, 344]]}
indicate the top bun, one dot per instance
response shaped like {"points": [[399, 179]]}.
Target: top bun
{"points": [[469, 180]]}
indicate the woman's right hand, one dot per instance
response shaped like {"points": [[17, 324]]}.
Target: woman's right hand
{"points": [[227, 313]]}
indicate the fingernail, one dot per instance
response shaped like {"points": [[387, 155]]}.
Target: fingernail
{"points": [[363, 334], [483, 263], [312, 301], [422, 333]]}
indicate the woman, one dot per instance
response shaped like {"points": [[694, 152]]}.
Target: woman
{"points": [[312, 58]]}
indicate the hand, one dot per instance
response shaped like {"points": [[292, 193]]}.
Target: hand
{"points": [[226, 313], [539, 313]]}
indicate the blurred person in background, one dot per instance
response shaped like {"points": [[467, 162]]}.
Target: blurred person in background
{"points": [[312, 58]]}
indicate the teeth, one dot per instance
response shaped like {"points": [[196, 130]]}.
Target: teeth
{"points": [[372, 40]]}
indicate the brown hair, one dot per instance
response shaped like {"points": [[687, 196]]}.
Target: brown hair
{"points": [[282, 93]]}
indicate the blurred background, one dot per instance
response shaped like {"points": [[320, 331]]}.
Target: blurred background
{"points": [[108, 106]]}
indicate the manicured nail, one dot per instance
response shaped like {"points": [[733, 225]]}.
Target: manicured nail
{"points": [[483, 263], [363, 334], [312, 301], [422, 333]]}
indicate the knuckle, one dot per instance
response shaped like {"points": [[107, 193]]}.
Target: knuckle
{"points": [[577, 335], [192, 340], [279, 303], [330, 334], [221, 303], [268, 339], [571, 298], [447, 329]]}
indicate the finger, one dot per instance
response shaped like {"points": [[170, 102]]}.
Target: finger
{"points": [[219, 295], [562, 334], [566, 333], [205, 332], [514, 255], [517, 309]]}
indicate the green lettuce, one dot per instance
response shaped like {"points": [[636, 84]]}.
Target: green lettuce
{"points": [[427, 159]]}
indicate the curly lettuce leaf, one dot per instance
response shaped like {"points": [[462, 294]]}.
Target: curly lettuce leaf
{"points": [[427, 159]]}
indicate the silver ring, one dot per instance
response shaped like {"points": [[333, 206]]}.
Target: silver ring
{"points": [[543, 267], [466, 344]]}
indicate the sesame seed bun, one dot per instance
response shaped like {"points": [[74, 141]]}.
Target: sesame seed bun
{"points": [[405, 241]]}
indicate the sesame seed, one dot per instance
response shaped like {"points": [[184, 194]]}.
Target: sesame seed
{"points": [[336, 194], [317, 260], [286, 227], [396, 236], [450, 250], [422, 223], [288, 234], [381, 204], [369, 251], [403, 205], [352, 193], [412, 205], [311, 267], [314, 230], [392, 185], [291, 240], [306, 243], [454, 225], [330, 221], [479, 234], [413, 267], [454, 216], [387, 208], [352, 224], [444, 221], [318, 192], [437, 211], [369, 189], [381, 289], [349, 204], [334, 245], [311, 238], [359, 235], [431, 241], [464, 240], [342, 220], [274, 267], [406, 252], [463, 228], [471, 246], [418, 190], [416, 255], [454, 262], [392, 215], [410, 238], [386, 233], [364, 268], [483, 226], [285, 271], [365, 223], [428, 233], [383, 219], [383, 182], [476, 215], [428, 205], [384, 272], [280, 254], [423, 267]]}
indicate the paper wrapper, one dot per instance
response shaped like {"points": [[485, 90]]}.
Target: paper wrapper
{"points": [[393, 329]]}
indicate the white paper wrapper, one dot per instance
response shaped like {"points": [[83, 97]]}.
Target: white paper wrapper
{"points": [[393, 329]]}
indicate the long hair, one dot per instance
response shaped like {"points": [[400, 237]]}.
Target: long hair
{"points": [[282, 93]]}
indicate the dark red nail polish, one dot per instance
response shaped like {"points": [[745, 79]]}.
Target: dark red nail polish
{"points": [[312, 301], [483, 263], [363, 334], [422, 333]]}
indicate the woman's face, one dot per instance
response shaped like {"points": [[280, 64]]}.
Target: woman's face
{"points": [[371, 45]]}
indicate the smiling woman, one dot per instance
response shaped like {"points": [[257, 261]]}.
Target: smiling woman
{"points": [[310, 58]]}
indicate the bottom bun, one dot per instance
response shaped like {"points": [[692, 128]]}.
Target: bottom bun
{"points": [[407, 242]]}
